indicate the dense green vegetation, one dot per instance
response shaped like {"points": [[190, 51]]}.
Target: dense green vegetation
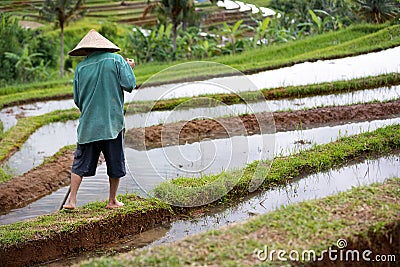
{"points": [[283, 170]]}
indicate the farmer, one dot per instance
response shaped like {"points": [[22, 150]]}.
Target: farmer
{"points": [[99, 82]]}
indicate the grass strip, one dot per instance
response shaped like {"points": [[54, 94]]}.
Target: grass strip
{"points": [[59, 92], [283, 170], [366, 215], [13, 89]]}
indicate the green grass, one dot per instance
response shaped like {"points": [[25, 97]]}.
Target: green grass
{"points": [[4, 176], [362, 215], [66, 222], [20, 88], [283, 170]]}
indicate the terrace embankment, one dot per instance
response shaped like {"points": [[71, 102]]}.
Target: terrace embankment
{"points": [[85, 237], [48, 177], [358, 227]]}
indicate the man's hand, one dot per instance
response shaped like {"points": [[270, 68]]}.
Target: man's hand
{"points": [[131, 62]]}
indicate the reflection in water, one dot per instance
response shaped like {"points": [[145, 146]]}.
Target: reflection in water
{"points": [[311, 187], [146, 169], [33, 151], [8, 115], [43, 143], [304, 73]]}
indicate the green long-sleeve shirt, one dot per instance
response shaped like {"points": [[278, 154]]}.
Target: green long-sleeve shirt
{"points": [[99, 83]]}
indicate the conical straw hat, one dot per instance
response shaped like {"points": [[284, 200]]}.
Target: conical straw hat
{"points": [[93, 41]]}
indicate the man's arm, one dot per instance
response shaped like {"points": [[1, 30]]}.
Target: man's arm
{"points": [[76, 90], [128, 79]]}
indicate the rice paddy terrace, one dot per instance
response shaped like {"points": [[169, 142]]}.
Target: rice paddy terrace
{"points": [[304, 149], [131, 12], [323, 122]]}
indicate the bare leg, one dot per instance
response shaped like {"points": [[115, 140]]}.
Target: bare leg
{"points": [[112, 199], [75, 183]]}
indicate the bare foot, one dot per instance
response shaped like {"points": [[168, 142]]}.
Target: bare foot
{"points": [[114, 204], [68, 206]]}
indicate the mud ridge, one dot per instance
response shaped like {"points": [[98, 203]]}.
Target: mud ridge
{"points": [[197, 130]]}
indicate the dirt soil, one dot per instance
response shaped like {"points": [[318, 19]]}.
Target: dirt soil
{"points": [[42, 180]]}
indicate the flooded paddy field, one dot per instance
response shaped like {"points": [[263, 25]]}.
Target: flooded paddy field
{"points": [[212, 154], [147, 169], [299, 74], [310, 187]]}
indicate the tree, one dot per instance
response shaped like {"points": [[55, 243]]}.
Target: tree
{"points": [[378, 11], [61, 12]]}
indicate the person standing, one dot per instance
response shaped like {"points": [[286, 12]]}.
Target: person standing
{"points": [[99, 84]]}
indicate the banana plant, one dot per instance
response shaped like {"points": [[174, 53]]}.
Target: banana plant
{"points": [[232, 33], [260, 32], [23, 61]]}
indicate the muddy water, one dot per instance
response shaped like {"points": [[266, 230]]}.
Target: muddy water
{"points": [[146, 169]]}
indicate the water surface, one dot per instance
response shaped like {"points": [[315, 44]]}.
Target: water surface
{"points": [[146, 169]]}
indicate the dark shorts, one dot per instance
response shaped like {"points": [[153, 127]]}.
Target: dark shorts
{"points": [[86, 157]]}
